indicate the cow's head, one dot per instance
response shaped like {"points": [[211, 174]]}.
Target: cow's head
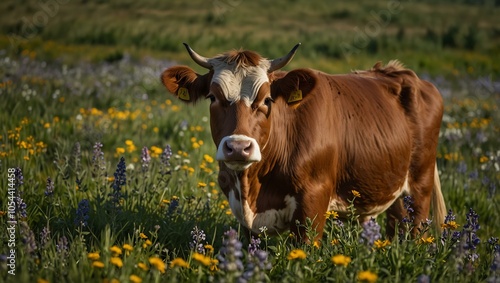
{"points": [[239, 88]]}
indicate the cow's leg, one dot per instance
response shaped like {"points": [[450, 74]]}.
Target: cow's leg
{"points": [[395, 215], [314, 207]]}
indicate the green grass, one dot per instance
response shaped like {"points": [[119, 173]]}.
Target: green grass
{"points": [[73, 85]]}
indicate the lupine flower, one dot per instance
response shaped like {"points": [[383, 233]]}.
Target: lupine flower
{"points": [[119, 181], [82, 213], [166, 155], [230, 252], [45, 236], [174, 204], [19, 177], [98, 165], [256, 267], [471, 238], [371, 232], [27, 237], [21, 208], [145, 159], [253, 246], [462, 167], [62, 246], [49, 189], [198, 237], [407, 203]]}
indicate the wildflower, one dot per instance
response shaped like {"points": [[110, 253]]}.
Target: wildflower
{"points": [[49, 189], [143, 266], [334, 242], [471, 238], [135, 279], [423, 278], [452, 225], [145, 159], [202, 184], [174, 204], [208, 158], [120, 150], [62, 246], [428, 240], [98, 264], [230, 253], [198, 237], [27, 237], [166, 155], [93, 256], [128, 247], [355, 193], [407, 203], [316, 244], [82, 213], [379, 244], [205, 260], [341, 260], [130, 146], [254, 245], [45, 236], [116, 250], [296, 254], [120, 181], [116, 261], [19, 179], [179, 262], [21, 208], [367, 276], [158, 263], [143, 236], [147, 243], [209, 248], [331, 214], [371, 232]]}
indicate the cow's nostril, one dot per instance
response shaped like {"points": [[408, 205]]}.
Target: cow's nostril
{"points": [[227, 148], [248, 148]]}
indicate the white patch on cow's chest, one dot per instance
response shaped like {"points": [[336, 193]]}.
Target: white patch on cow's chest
{"points": [[275, 220], [342, 207]]}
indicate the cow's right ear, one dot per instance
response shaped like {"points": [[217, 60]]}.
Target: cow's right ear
{"points": [[185, 83]]}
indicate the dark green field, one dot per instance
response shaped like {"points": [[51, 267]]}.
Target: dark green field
{"points": [[112, 179]]}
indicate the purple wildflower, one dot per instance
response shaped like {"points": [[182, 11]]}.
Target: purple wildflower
{"points": [[21, 208], [120, 181], [97, 160], [423, 278], [257, 263], [62, 246], [462, 167], [471, 238], [19, 177], [371, 232], [449, 218], [407, 203], [199, 237], [230, 254], [165, 160], [49, 189], [45, 236], [82, 213], [253, 246], [145, 159], [27, 237]]}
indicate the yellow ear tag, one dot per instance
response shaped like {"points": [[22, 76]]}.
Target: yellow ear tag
{"points": [[295, 96], [183, 94]]}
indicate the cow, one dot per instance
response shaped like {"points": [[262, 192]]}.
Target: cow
{"points": [[295, 145]]}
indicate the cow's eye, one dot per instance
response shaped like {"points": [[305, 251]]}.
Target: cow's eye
{"points": [[211, 97], [268, 101]]}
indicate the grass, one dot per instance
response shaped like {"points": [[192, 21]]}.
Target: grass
{"points": [[82, 102]]}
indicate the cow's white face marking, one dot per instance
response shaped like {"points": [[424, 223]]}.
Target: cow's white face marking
{"points": [[342, 207], [238, 82], [275, 220]]}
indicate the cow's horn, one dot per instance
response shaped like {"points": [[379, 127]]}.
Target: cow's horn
{"points": [[200, 60], [279, 63]]}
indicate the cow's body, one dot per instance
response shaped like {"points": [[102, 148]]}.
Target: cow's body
{"points": [[296, 145]]}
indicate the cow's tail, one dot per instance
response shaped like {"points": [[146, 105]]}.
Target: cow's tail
{"points": [[438, 204]]}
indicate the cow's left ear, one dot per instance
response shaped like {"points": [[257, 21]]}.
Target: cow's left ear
{"points": [[294, 87], [185, 83]]}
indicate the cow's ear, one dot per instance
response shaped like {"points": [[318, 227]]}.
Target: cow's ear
{"points": [[185, 83], [293, 87]]}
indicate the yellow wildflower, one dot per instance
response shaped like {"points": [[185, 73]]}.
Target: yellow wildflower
{"points": [[202, 184], [155, 151], [208, 158], [450, 225], [143, 236], [93, 256], [128, 247], [147, 243], [116, 250], [98, 264], [428, 240], [158, 263], [209, 248], [296, 254], [143, 266], [179, 262], [381, 244], [367, 276], [316, 244], [356, 193], [213, 265], [341, 260], [116, 261], [120, 150], [41, 280], [331, 214], [205, 260], [135, 279], [483, 159], [335, 242], [46, 125]]}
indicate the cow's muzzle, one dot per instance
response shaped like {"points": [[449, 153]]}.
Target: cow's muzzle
{"points": [[238, 152]]}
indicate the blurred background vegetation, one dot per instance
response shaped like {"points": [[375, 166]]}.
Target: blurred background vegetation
{"points": [[450, 38]]}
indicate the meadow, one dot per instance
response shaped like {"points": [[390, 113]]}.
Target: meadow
{"points": [[108, 178]]}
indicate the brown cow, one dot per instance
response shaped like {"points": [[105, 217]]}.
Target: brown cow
{"points": [[293, 145]]}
